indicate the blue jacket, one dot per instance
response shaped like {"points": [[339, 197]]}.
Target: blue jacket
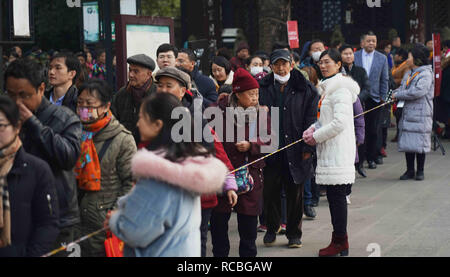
{"points": [[161, 216], [206, 87], [378, 77]]}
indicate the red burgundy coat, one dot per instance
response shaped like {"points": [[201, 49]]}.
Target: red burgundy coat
{"points": [[210, 201], [248, 203]]}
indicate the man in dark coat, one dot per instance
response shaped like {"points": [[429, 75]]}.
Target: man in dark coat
{"points": [[358, 74], [186, 62], [127, 101], [49, 132], [297, 101], [63, 72]]}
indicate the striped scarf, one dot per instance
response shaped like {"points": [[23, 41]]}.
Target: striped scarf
{"points": [[6, 163]]}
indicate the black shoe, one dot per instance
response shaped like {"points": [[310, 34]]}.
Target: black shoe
{"points": [[295, 243], [372, 165], [420, 176], [309, 212], [269, 239], [407, 176], [315, 203], [379, 160], [361, 171]]}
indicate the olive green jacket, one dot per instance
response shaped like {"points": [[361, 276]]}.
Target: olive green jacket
{"points": [[116, 181]]}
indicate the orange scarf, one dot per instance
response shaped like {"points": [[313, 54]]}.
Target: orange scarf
{"points": [[320, 106], [87, 169]]}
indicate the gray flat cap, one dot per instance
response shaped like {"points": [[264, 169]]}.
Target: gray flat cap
{"points": [[174, 73], [142, 60]]}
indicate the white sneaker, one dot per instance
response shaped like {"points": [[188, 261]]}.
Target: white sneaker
{"points": [[348, 200]]}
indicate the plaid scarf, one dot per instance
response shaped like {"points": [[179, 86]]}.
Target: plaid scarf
{"points": [[87, 169], [6, 164]]}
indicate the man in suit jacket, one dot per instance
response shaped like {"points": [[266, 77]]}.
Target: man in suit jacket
{"points": [[376, 66]]}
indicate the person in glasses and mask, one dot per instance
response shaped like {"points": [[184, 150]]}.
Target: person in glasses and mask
{"points": [[297, 100], [103, 170]]}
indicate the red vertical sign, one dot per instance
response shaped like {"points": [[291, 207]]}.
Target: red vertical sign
{"points": [[292, 27], [437, 64]]}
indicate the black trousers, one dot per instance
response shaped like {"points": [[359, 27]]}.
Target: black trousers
{"points": [[410, 157], [206, 216], [372, 120], [338, 207], [274, 178], [247, 233]]}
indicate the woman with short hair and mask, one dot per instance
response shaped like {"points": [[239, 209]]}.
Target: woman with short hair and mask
{"points": [[255, 67], [315, 49], [103, 170]]}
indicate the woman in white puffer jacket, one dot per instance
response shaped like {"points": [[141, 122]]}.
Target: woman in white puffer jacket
{"points": [[334, 135]]}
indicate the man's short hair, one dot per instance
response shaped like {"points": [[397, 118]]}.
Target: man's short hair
{"points": [[163, 48], [369, 33], [71, 61], [345, 47], [26, 69], [315, 41], [191, 55]]}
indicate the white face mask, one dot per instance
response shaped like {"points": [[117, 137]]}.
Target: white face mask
{"points": [[256, 70], [281, 79], [316, 56]]}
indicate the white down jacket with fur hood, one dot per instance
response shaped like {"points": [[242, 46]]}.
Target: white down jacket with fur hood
{"points": [[335, 132]]}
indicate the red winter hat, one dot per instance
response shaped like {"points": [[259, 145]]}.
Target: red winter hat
{"points": [[243, 81]]}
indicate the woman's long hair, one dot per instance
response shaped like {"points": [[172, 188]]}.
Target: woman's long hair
{"points": [[160, 107]]}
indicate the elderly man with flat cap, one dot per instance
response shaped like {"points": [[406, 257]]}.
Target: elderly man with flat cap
{"points": [[127, 101]]}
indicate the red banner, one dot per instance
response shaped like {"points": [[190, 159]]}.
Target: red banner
{"points": [[292, 27], [437, 64]]}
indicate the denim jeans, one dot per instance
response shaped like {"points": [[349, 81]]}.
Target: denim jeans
{"points": [[307, 196]]}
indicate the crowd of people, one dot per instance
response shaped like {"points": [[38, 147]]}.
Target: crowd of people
{"points": [[78, 154]]}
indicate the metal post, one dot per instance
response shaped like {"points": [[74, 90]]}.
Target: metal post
{"points": [[108, 41]]}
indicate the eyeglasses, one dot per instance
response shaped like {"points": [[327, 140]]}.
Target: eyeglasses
{"points": [[3, 127]]}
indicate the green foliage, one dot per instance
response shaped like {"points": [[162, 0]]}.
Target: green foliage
{"points": [[166, 8]]}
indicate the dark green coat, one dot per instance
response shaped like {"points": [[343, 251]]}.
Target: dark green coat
{"points": [[116, 181]]}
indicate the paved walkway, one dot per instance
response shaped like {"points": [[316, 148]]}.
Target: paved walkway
{"points": [[387, 217]]}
